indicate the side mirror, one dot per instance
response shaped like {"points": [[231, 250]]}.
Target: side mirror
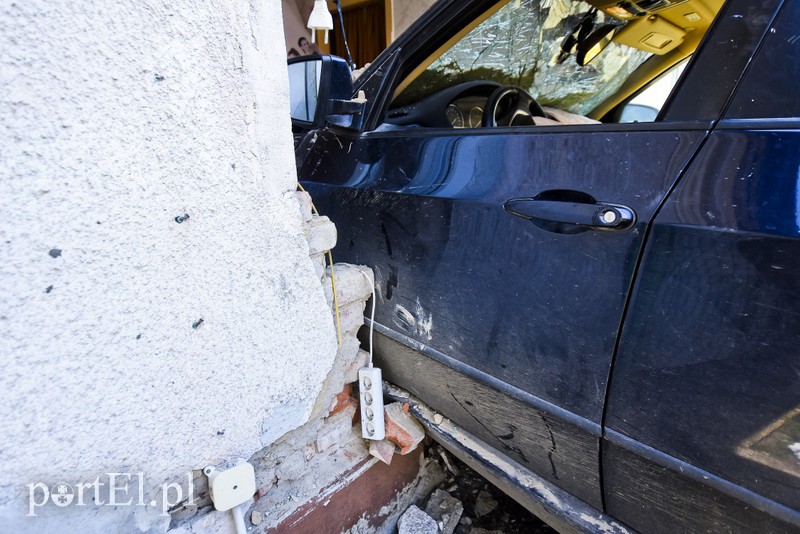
{"points": [[638, 113], [320, 89]]}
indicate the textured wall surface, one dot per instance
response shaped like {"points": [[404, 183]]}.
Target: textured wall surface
{"points": [[116, 118], [404, 12]]}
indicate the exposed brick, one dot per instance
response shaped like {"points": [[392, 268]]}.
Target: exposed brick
{"points": [[402, 429], [343, 399]]}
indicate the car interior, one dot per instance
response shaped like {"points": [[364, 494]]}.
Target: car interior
{"points": [[556, 62]]}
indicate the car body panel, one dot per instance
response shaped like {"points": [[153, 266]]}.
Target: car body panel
{"points": [[724, 251], [512, 329], [504, 300]]}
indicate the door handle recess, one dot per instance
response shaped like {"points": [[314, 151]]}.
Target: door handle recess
{"points": [[598, 216]]}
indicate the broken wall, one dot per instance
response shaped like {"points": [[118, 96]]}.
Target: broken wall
{"points": [[132, 342]]}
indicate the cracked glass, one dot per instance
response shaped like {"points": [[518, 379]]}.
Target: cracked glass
{"points": [[520, 45]]}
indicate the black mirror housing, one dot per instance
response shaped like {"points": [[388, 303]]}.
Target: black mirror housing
{"points": [[321, 88]]}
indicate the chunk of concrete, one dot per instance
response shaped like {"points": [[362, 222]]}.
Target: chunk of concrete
{"points": [[484, 504], [383, 450], [361, 360], [415, 521], [351, 284], [445, 509], [336, 429], [402, 428], [255, 517], [321, 234]]}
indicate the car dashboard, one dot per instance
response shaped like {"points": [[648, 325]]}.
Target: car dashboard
{"points": [[460, 106]]}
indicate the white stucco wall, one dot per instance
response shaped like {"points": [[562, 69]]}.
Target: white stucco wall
{"points": [[116, 117]]}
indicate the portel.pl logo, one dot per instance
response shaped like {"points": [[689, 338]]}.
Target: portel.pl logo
{"points": [[113, 489]]}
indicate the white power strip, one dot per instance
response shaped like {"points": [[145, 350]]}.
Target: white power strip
{"points": [[370, 383]]}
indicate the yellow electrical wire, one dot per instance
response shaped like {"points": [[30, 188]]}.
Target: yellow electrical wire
{"points": [[333, 279]]}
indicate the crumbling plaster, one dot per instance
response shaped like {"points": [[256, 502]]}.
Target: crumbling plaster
{"points": [[116, 118]]}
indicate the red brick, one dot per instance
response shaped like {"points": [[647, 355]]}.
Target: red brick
{"points": [[343, 400], [402, 429]]}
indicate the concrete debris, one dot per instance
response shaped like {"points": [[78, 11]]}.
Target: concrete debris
{"points": [[382, 450], [484, 504], [351, 315], [447, 463], [337, 429], [321, 234], [438, 419], [415, 521], [255, 517], [402, 428], [351, 284], [351, 374], [445, 509]]}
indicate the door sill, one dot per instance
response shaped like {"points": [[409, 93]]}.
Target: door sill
{"points": [[559, 509]]}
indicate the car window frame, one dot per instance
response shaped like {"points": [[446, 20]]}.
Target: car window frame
{"points": [[680, 111]]}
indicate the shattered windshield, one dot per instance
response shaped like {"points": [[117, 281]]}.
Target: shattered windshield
{"points": [[520, 45]]}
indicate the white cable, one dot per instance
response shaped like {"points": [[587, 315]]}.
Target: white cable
{"points": [[372, 315], [238, 519]]}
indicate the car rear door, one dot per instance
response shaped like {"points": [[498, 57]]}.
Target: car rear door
{"points": [[703, 421]]}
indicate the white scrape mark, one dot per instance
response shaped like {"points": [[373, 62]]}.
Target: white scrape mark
{"points": [[795, 448], [424, 321], [404, 319], [604, 526]]}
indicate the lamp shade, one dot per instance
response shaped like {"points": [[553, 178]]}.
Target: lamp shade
{"points": [[320, 19]]}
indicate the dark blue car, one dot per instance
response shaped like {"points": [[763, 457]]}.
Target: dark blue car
{"points": [[584, 222]]}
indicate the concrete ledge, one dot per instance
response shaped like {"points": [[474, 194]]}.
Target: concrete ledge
{"points": [[360, 493]]}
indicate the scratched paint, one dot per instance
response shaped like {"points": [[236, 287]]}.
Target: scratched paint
{"points": [[424, 321], [795, 448], [419, 322]]}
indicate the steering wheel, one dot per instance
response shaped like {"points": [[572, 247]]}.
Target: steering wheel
{"points": [[511, 106]]}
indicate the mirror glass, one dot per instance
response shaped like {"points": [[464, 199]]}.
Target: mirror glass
{"points": [[638, 113], [594, 44], [304, 80]]}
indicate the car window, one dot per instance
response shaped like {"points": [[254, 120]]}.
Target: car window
{"points": [[521, 45], [644, 107], [769, 89]]}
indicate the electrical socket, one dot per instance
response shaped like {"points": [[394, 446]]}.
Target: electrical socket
{"points": [[370, 384]]}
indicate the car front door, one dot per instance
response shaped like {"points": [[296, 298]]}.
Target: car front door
{"points": [[503, 255]]}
